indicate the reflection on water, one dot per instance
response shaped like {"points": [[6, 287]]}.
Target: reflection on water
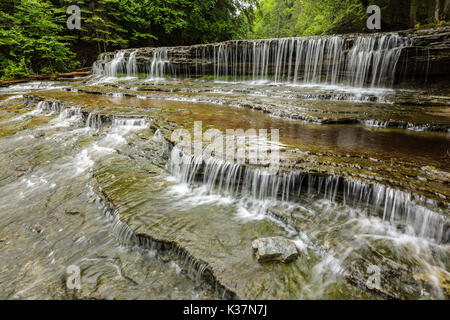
{"points": [[70, 172], [341, 139]]}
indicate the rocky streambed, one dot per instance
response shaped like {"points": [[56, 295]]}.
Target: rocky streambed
{"points": [[99, 200], [89, 180]]}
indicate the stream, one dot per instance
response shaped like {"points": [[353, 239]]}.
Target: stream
{"points": [[90, 179]]}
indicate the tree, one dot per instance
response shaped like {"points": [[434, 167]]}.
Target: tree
{"points": [[436, 12], [31, 40]]}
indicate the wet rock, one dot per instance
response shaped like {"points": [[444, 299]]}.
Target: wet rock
{"points": [[275, 249], [74, 213]]}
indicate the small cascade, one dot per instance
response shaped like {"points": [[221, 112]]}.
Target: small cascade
{"points": [[94, 121], [42, 106], [57, 108], [375, 123], [117, 65], [158, 135], [195, 269], [72, 112], [116, 123], [160, 64], [97, 68], [53, 107], [132, 64], [130, 122], [394, 206]]}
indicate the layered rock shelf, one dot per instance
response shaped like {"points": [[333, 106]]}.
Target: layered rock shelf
{"points": [[408, 57]]}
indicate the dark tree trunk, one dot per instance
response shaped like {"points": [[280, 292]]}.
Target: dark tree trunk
{"points": [[437, 12], [446, 9], [413, 14]]}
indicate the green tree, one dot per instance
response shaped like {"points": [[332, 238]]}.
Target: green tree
{"points": [[324, 17], [284, 18], [276, 18], [31, 40]]}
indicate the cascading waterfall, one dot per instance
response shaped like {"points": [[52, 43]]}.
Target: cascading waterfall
{"points": [[57, 108], [136, 122], [45, 106], [369, 60], [117, 65], [160, 64], [94, 121], [374, 60], [132, 64], [72, 112], [394, 206]]}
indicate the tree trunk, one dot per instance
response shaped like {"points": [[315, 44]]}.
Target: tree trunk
{"points": [[99, 48], [446, 9], [278, 22], [436, 12], [413, 14]]}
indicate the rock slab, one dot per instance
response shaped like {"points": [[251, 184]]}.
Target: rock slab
{"points": [[275, 249]]}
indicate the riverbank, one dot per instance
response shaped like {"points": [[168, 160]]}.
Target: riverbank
{"points": [[75, 74]]}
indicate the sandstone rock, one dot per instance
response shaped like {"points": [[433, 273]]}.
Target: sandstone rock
{"points": [[275, 249]]}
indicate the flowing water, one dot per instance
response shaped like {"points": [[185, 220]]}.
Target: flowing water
{"points": [[91, 179], [370, 60]]}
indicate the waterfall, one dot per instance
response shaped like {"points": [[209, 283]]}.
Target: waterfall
{"points": [[358, 61], [160, 64], [72, 112], [57, 108], [391, 205], [116, 65], [132, 65], [374, 60], [42, 106], [45, 106], [371, 60], [136, 122], [94, 122]]}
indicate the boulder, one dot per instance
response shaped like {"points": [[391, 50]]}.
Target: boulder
{"points": [[275, 249]]}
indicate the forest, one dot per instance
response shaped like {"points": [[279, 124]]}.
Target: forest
{"points": [[34, 38]]}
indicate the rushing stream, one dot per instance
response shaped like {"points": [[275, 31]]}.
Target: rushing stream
{"points": [[91, 177]]}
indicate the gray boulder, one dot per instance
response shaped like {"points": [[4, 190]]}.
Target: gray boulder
{"points": [[275, 249]]}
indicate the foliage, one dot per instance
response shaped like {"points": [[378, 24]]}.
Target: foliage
{"points": [[328, 16], [30, 40], [287, 18], [12, 69], [34, 37]]}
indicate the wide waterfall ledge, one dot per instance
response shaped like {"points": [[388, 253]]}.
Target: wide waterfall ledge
{"points": [[378, 60]]}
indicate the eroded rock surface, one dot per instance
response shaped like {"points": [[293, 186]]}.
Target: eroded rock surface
{"points": [[275, 249]]}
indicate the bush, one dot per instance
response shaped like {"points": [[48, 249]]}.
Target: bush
{"points": [[14, 69]]}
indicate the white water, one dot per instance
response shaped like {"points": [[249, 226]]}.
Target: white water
{"points": [[371, 61], [393, 206], [362, 216]]}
